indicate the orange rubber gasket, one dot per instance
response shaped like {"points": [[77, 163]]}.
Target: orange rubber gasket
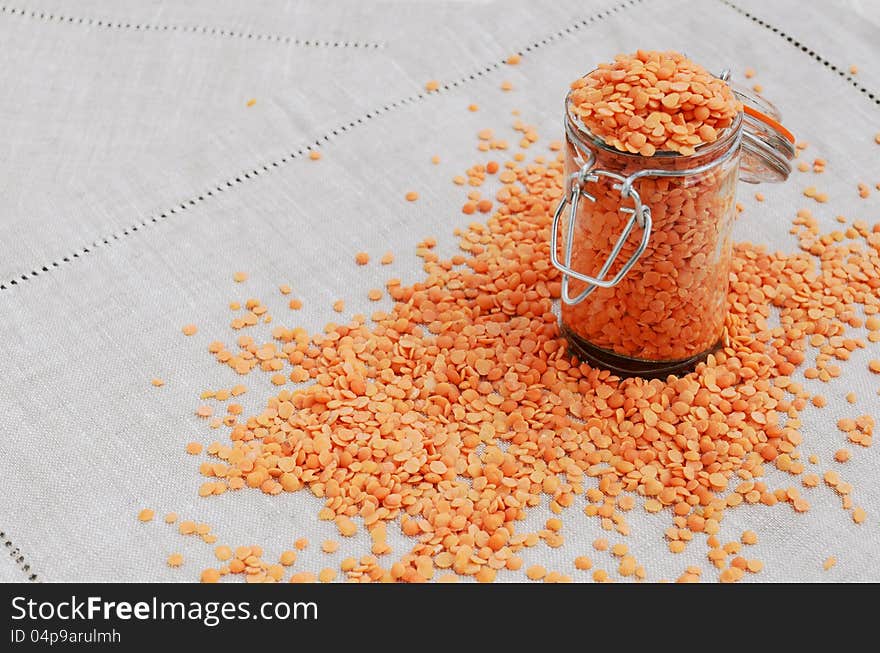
{"points": [[763, 117]]}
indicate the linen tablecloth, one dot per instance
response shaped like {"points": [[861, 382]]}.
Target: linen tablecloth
{"points": [[135, 179]]}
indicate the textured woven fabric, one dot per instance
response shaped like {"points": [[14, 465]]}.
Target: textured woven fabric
{"points": [[136, 175]]}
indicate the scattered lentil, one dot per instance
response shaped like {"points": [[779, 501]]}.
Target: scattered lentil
{"points": [[583, 563], [210, 575], [327, 575], [303, 577], [859, 515], [146, 514], [536, 572], [749, 537], [601, 576]]}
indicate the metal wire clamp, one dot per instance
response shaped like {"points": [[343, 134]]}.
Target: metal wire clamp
{"points": [[638, 215]]}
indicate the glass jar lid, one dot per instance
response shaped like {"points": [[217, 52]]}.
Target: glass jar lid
{"points": [[768, 148]]}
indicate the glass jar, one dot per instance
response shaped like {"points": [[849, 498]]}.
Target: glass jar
{"points": [[645, 245]]}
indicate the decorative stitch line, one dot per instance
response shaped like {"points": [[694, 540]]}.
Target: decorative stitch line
{"points": [[806, 49], [212, 31], [326, 138], [17, 556]]}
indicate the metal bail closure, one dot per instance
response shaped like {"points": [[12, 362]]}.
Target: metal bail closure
{"points": [[768, 148], [638, 215]]}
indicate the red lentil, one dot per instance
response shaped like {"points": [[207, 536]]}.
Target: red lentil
{"points": [[146, 514], [210, 575], [536, 572], [859, 515], [327, 575], [601, 576], [583, 563]]}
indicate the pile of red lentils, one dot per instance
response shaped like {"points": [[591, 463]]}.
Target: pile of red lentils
{"points": [[654, 101], [454, 413]]}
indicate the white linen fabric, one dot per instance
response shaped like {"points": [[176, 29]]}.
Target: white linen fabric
{"points": [[136, 180]]}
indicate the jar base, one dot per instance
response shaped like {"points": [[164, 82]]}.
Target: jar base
{"points": [[624, 366]]}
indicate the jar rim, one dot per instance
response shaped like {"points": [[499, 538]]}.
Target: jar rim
{"points": [[728, 138]]}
